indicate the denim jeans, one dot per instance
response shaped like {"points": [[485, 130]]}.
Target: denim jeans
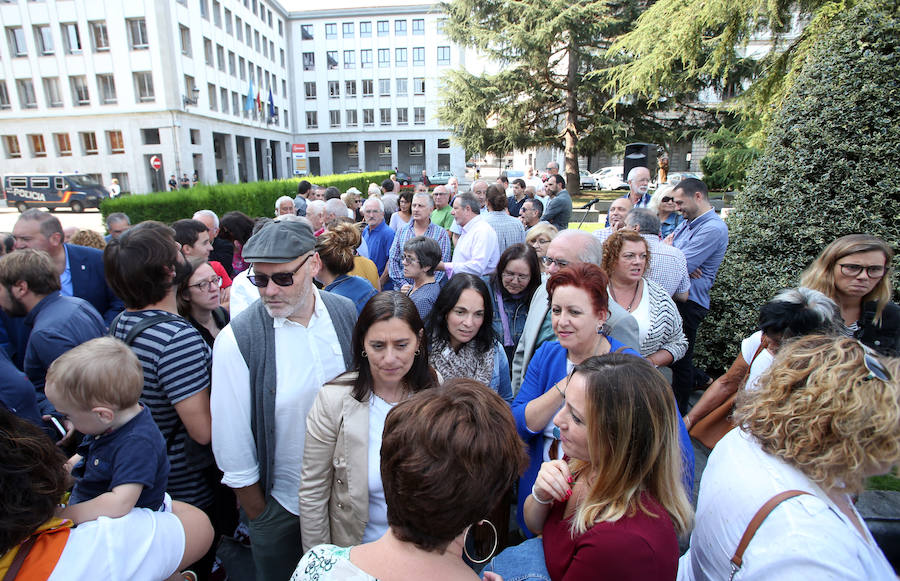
{"points": [[275, 542], [524, 562]]}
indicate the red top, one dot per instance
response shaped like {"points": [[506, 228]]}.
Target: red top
{"points": [[220, 270], [638, 547]]}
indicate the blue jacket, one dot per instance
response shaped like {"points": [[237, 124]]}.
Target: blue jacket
{"points": [[546, 368], [355, 288], [16, 392], [89, 281], [516, 313]]}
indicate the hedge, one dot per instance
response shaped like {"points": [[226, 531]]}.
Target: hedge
{"points": [[253, 198], [828, 170]]}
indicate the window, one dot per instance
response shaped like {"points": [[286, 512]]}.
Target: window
{"points": [[400, 27], [367, 88], [284, 87], [241, 69], [400, 57], [256, 39], [419, 115], [89, 142], [350, 88], [351, 118], [106, 87], [231, 65], [26, 93], [43, 38], [248, 35], [365, 29], [331, 30], [80, 94], [331, 57], [441, 23], [17, 44], [313, 146], [384, 57], [115, 141], [223, 99], [419, 56], [334, 89], [204, 9], [38, 149], [309, 61], [402, 87], [52, 92], [4, 96], [347, 29], [150, 136], [99, 36], [228, 25], [211, 95], [220, 57], [365, 58], [63, 144], [368, 117], [11, 142], [349, 59], [312, 119], [417, 148], [306, 32], [384, 87], [385, 116], [143, 83], [185, 34], [137, 33], [418, 26], [235, 103], [217, 14], [282, 58], [310, 90], [383, 28], [443, 55], [419, 85], [403, 115], [208, 51], [443, 143], [71, 37], [334, 118], [238, 28]]}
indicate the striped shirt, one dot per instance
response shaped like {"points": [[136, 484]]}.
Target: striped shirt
{"points": [[176, 364]]}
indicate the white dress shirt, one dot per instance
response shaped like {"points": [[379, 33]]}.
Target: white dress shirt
{"points": [[477, 250]]}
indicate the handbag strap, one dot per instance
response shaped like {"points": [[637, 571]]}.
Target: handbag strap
{"points": [[19, 559], [738, 559], [507, 336]]}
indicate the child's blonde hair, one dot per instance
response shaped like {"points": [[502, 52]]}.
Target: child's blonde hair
{"points": [[100, 371]]}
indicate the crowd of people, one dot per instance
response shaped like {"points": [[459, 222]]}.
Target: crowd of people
{"points": [[376, 387]]}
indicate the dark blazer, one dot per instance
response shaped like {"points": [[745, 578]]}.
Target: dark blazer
{"points": [[89, 282]]}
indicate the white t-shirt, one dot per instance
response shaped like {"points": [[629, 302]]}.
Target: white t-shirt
{"points": [[762, 362], [377, 524], [143, 545]]}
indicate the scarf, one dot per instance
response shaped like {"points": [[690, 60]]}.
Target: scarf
{"points": [[467, 362], [44, 547]]}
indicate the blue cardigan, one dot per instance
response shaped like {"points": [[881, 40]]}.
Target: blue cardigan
{"points": [[546, 368]]}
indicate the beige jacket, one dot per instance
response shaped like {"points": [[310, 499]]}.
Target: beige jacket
{"points": [[334, 488]]}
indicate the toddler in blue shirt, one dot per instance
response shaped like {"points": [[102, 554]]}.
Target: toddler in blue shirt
{"points": [[121, 463]]}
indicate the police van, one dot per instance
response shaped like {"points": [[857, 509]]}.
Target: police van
{"points": [[75, 191]]}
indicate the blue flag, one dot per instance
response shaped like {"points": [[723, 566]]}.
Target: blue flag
{"points": [[248, 103], [271, 105]]}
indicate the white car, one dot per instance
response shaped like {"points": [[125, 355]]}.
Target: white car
{"points": [[610, 178], [587, 180]]}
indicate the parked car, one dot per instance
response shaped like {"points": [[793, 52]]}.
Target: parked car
{"points": [[610, 178], [404, 178], [587, 180], [675, 177], [439, 178], [51, 191]]}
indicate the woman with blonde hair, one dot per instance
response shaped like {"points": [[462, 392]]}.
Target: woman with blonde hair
{"points": [[337, 248], [539, 237], [88, 238], [663, 203], [855, 272], [825, 418]]}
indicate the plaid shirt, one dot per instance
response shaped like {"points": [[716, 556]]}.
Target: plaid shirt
{"points": [[668, 267], [401, 237], [509, 230]]}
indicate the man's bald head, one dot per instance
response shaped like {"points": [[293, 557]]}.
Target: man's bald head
{"points": [[618, 210]]}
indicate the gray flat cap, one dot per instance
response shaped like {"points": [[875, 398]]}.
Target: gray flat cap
{"points": [[280, 242]]}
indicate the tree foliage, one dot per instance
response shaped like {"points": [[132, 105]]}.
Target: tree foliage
{"points": [[828, 170]]}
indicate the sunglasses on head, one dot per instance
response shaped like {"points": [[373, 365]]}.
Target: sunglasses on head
{"points": [[279, 278], [876, 368]]}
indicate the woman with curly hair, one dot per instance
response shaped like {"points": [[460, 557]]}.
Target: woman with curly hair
{"points": [[337, 249], [825, 418]]}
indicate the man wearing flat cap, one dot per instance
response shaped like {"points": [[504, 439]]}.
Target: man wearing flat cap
{"points": [[268, 366]]}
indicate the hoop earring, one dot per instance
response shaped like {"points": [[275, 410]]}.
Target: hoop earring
{"points": [[494, 548], [417, 352], [364, 354]]}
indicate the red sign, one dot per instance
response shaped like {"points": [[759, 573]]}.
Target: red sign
{"points": [[298, 148], [155, 162]]}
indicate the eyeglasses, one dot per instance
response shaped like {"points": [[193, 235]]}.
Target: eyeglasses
{"points": [[279, 278], [206, 285], [510, 276], [873, 271], [876, 368], [666, 199], [409, 260], [540, 242], [550, 261]]}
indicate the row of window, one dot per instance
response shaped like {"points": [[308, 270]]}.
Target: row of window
{"points": [[239, 67], [383, 28], [218, 98], [79, 90], [263, 13], [253, 39], [351, 117], [401, 58], [62, 143], [368, 88], [71, 37]]}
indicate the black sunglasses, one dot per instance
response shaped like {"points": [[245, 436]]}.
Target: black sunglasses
{"points": [[876, 368], [667, 199], [279, 278]]}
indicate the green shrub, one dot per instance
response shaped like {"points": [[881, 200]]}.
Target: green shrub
{"points": [[828, 170], [253, 198]]}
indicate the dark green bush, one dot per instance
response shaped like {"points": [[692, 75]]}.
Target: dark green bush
{"points": [[254, 198], [829, 169]]}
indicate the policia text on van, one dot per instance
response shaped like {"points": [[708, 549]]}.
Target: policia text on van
{"points": [[53, 191]]}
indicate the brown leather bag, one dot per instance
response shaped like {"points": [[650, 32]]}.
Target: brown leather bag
{"points": [[714, 425]]}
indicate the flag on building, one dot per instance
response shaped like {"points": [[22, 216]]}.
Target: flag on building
{"points": [[271, 105], [258, 103], [248, 102]]}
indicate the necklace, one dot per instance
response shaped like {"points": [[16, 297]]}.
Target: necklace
{"points": [[630, 306]]}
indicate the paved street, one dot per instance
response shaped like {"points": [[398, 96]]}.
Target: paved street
{"points": [[89, 219]]}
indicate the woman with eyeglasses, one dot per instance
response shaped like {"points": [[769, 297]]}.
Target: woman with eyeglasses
{"points": [[855, 272], [539, 238], [663, 203], [512, 285], [825, 418], [462, 336], [337, 249], [198, 301], [420, 255]]}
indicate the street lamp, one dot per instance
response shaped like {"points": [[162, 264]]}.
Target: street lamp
{"points": [[192, 100]]}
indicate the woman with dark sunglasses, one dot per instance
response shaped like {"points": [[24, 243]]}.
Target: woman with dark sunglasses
{"points": [[663, 204]]}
